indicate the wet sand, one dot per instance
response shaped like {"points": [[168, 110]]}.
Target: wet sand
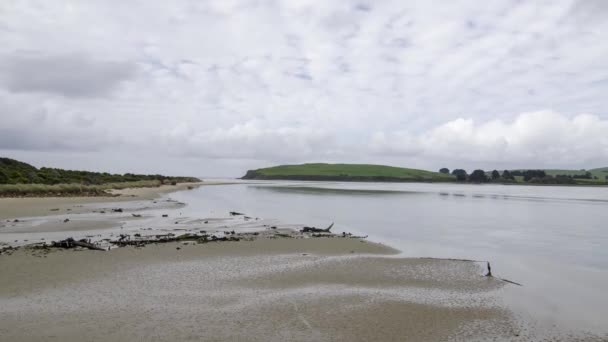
{"points": [[323, 289]]}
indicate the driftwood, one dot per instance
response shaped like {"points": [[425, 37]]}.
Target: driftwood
{"points": [[317, 230], [510, 282], [235, 213], [172, 238], [71, 243], [350, 235], [88, 245], [136, 215]]}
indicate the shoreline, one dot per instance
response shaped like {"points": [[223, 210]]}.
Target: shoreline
{"points": [[15, 207], [422, 181]]}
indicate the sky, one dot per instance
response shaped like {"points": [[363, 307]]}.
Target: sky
{"points": [[213, 88]]}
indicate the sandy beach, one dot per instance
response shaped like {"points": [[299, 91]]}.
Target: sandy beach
{"points": [[273, 284], [39, 206]]}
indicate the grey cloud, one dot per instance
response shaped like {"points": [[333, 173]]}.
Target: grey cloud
{"points": [[29, 124], [363, 7], [589, 10], [41, 140], [14, 139], [67, 75]]}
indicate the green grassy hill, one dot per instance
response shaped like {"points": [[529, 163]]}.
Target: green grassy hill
{"points": [[347, 172], [600, 173]]}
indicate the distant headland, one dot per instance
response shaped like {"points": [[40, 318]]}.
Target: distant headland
{"points": [[384, 173]]}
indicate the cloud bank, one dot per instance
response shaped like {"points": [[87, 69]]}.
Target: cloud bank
{"points": [[532, 138], [223, 84]]}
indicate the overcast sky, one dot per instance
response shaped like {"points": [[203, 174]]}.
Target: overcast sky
{"points": [[217, 87]]}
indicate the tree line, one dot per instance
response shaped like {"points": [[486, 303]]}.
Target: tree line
{"points": [[506, 176]]}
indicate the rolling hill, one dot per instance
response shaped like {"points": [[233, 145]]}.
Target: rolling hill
{"points": [[348, 172]]}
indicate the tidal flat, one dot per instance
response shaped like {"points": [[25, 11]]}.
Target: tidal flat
{"points": [[270, 282]]}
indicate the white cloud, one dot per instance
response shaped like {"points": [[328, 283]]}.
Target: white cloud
{"points": [[541, 138]]}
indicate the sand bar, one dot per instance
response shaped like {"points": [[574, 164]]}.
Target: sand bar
{"points": [[11, 208], [327, 289]]}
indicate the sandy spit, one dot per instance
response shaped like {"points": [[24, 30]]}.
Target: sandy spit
{"points": [[41, 206]]}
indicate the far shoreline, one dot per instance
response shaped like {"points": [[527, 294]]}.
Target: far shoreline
{"points": [[421, 181]]}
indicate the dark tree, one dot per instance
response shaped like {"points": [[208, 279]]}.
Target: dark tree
{"points": [[461, 175], [530, 174], [507, 175], [560, 179], [444, 170], [495, 175], [587, 175], [478, 176]]}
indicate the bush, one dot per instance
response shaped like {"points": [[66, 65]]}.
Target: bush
{"points": [[478, 176], [16, 172], [530, 174], [461, 175]]}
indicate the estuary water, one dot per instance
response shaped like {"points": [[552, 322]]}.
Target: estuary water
{"points": [[552, 240]]}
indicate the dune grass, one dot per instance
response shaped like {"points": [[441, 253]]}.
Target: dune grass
{"points": [[36, 190]]}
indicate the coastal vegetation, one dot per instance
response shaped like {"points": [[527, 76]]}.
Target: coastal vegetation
{"points": [[581, 177], [382, 173], [21, 179]]}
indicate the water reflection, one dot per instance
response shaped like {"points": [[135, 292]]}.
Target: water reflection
{"points": [[331, 191]]}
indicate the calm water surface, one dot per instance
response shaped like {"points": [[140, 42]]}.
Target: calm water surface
{"points": [[553, 240]]}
